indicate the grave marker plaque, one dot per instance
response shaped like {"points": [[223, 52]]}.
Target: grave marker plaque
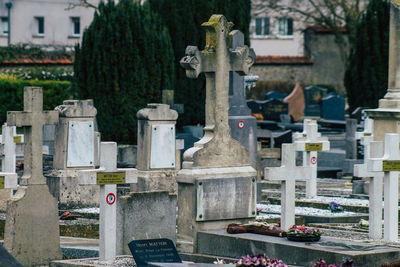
{"points": [[162, 153], [153, 250], [80, 149]]}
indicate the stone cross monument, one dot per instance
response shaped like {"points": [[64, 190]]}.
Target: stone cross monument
{"points": [[375, 189], [243, 125], [217, 184], [108, 176], [217, 148], [32, 226], [310, 142], [287, 174], [389, 164]]}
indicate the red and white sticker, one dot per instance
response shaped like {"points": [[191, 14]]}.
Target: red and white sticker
{"points": [[110, 199], [313, 160], [241, 124]]}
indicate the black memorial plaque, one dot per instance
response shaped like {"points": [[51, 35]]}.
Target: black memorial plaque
{"points": [[153, 250]]}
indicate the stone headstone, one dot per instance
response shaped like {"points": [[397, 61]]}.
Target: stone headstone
{"points": [[76, 147], [272, 109], [145, 215], [295, 102], [217, 159], [32, 213], [275, 95], [350, 147], [156, 152], [280, 138], [389, 165], [333, 106], [313, 97], [243, 126]]}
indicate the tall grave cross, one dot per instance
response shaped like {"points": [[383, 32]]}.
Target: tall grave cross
{"points": [[217, 148], [33, 211], [310, 142], [288, 173], [389, 164], [375, 188], [371, 150], [32, 119], [108, 176]]}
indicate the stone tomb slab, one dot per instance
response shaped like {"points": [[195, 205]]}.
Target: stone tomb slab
{"points": [[211, 191], [220, 243]]}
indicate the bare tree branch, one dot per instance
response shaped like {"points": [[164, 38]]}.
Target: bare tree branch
{"points": [[81, 3]]}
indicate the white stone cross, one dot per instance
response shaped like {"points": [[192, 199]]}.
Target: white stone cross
{"points": [[389, 164], [310, 142], [32, 119], [375, 189], [366, 137], [8, 176], [288, 173], [108, 176]]}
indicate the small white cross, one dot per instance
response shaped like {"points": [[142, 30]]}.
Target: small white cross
{"points": [[108, 176], [375, 189], [310, 142], [288, 173], [389, 164]]}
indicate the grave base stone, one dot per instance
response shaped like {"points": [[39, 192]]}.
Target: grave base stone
{"points": [[156, 181], [36, 207], [64, 186], [145, 215], [235, 191]]}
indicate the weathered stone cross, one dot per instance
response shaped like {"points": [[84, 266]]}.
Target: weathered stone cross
{"points": [[217, 148], [288, 173], [32, 212], [375, 189], [108, 176], [389, 164], [310, 142], [32, 119]]}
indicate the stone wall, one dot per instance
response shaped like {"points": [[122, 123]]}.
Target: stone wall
{"points": [[327, 66]]}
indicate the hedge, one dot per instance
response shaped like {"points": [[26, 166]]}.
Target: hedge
{"points": [[12, 96]]}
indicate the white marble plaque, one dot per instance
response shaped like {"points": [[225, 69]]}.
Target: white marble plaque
{"points": [[162, 146], [80, 149]]}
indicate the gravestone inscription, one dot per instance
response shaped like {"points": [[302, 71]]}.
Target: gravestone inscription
{"points": [[153, 250]]}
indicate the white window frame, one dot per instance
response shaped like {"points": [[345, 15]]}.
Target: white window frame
{"points": [[4, 26], [263, 26], [73, 21], [282, 28], [37, 26]]}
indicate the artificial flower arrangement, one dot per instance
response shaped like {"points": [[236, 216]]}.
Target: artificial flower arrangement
{"points": [[259, 260], [335, 207], [346, 263], [303, 234]]}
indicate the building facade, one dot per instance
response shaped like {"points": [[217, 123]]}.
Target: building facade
{"points": [[43, 22]]}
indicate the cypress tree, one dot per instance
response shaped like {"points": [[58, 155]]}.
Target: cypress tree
{"points": [[124, 61], [183, 19], [366, 76]]}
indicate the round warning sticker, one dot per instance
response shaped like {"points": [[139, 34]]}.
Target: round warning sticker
{"points": [[241, 124], [110, 199], [313, 160]]}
